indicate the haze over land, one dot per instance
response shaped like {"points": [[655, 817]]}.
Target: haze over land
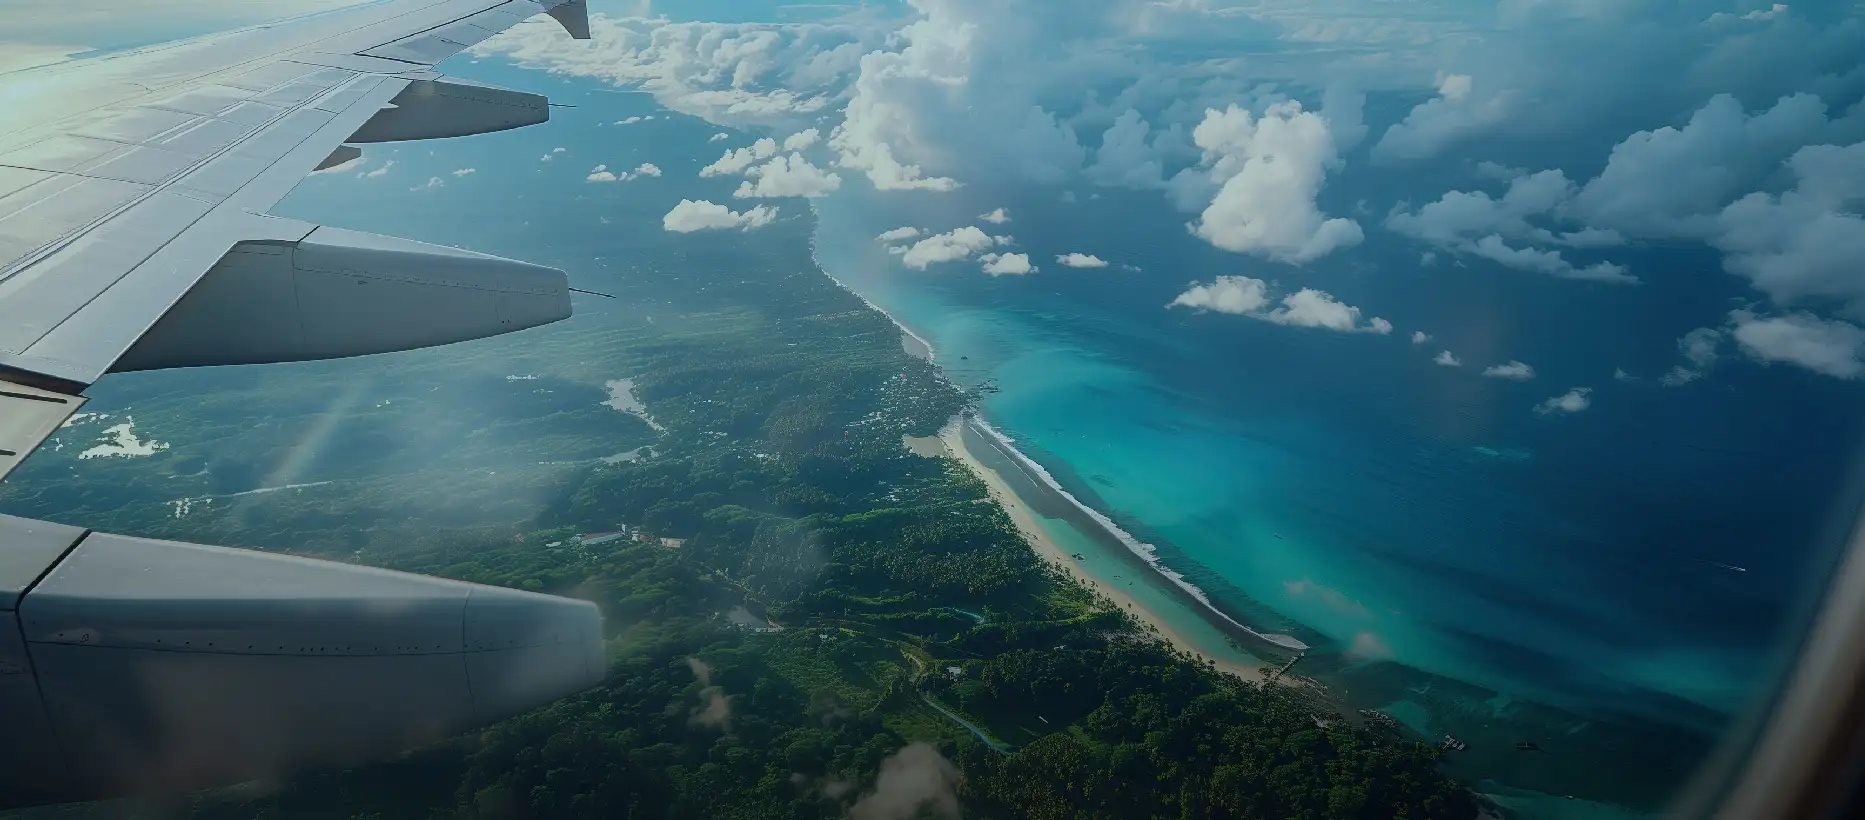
{"points": [[1507, 358]]}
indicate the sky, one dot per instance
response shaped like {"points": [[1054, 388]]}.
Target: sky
{"points": [[1534, 138]]}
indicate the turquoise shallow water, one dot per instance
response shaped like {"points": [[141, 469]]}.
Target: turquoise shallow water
{"points": [[1494, 575], [1500, 576]]}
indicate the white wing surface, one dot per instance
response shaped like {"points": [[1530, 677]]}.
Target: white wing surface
{"points": [[134, 189]]}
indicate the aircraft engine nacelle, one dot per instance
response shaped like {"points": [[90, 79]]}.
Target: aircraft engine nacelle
{"points": [[134, 666]]}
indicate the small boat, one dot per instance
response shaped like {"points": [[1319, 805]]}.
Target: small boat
{"points": [[1528, 746]]}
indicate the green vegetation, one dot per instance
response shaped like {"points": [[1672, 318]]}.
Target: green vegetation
{"points": [[783, 402]]}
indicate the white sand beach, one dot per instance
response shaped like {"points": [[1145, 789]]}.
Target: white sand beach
{"points": [[1026, 520]]}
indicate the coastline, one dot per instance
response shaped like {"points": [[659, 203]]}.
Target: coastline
{"points": [[1025, 517]]}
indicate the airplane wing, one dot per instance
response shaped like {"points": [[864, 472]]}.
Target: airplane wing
{"points": [[134, 190], [134, 235]]}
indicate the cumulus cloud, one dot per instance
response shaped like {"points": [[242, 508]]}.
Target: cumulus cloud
{"points": [[1448, 359], [719, 137], [1473, 223], [1572, 401], [950, 246], [628, 120], [430, 184], [1670, 183], [461, 172], [1699, 349], [1527, 73], [738, 160], [769, 74], [802, 140], [897, 234], [1133, 155], [377, 171], [973, 88], [1007, 264], [700, 215], [996, 217], [1228, 294], [1804, 244], [1493, 248], [1619, 375], [601, 173], [1266, 173], [1439, 122], [1759, 14], [1420, 337], [1516, 371], [1081, 260], [1244, 296], [914, 782], [1828, 347], [787, 175]]}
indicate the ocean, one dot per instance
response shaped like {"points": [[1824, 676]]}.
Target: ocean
{"points": [[1616, 585]]}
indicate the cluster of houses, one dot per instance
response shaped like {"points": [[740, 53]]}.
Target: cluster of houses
{"points": [[626, 533]]}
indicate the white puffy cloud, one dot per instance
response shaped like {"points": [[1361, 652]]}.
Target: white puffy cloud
{"points": [[897, 234], [377, 171], [719, 137], [950, 246], [1758, 14], [1493, 248], [1133, 155], [1315, 308], [1515, 371], [1700, 350], [996, 217], [1619, 375], [738, 160], [430, 184], [1228, 294], [1471, 222], [1267, 173], [1244, 296], [1447, 359], [1440, 121], [1081, 260], [1827, 347], [628, 120], [1420, 337], [1572, 401], [1669, 183], [700, 215], [916, 781], [787, 175], [770, 74], [601, 173], [1006, 264], [973, 88], [1551, 71], [462, 172], [802, 140], [1804, 244]]}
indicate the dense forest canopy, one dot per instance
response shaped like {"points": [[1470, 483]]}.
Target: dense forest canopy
{"points": [[845, 629]]}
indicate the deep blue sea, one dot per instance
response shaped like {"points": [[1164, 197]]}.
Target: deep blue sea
{"points": [[1642, 564], [1453, 558]]}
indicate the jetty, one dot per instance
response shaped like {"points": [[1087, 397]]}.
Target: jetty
{"points": [[1280, 671]]}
